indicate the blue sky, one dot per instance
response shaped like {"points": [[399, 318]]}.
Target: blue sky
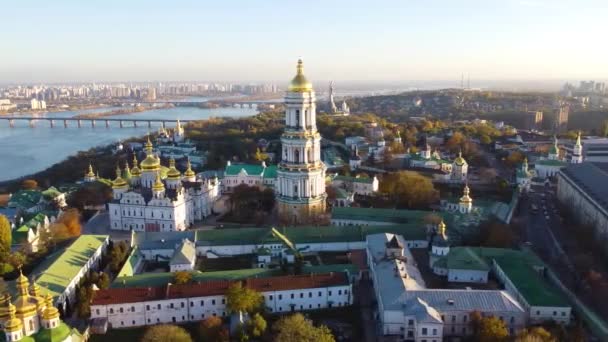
{"points": [[260, 40]]}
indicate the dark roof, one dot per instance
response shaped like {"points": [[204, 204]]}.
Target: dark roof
{"points": [[592, 178], [218, 287], [394, 243]]}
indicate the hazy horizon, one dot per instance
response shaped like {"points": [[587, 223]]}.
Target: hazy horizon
{"points": [[347, 41]]}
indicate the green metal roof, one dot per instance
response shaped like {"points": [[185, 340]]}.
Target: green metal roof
{"points": [[20, 233], [302, 235], [535, 290], [235, 169], [270, 171], [57, 334], [378, 215], [518, 265], [25, 199], [159, 279], [128, 269], [551, 162], [58, 270], [51, 193]]}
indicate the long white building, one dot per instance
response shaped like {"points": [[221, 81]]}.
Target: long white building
{"points": [[139, 306], [143, 201]]}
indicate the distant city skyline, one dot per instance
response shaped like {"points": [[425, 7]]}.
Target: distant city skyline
{"points": [[247, 41]]}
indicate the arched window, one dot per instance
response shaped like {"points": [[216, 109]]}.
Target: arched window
{"points": [[296, 156], [295, 190], [297, 117]]}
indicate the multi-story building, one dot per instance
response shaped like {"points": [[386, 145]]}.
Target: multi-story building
{"points": [[142, 201], [549, 166], [408, 311], [561, 117], [365, 186], [584, 188], [300, 186], [249, 174], [140, 306]]}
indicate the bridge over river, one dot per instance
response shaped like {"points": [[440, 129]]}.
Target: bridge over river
{"points": [[90, 121]]}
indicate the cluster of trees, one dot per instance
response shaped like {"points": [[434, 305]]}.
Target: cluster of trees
{"points": [[287, 329], [85, 292], [235, 139], [408, 189], [492, 233], [6, 239], [250, 203], [90, 194], [67, 226], [118, 254]]}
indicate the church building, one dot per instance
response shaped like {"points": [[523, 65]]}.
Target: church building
{"points": [[300, 185]]}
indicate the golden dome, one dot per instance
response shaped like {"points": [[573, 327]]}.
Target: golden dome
{"points": [[24, 304], [13, 324], [173, 173], [51, 311], [90, 172], [189, 173], [441, 228], [299, 82], [465, 195], [459, 160], [152, 162], [135, 171], [119, 182], [158, 184]]}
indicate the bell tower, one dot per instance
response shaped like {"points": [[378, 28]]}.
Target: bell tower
{"points": [[301, 173]]}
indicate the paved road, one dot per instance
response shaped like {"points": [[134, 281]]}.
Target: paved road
{"points": [[539, 231]]}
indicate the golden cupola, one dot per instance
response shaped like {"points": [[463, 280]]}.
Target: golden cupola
{"points": [[441, 229], [13, 324], [50, 312], [299, 83], [173, 173], [37, 296], [26, 305], [90, 173], [158, 184], [151, 162], [466, 198], [189, 173], [460, 160], [119, 182], [135, 171]]}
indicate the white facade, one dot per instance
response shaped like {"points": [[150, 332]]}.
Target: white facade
{"points": [[195, 308], [300, 185], [148, 204]]}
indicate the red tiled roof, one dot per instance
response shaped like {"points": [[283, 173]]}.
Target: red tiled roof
{"points": [[216, 287]]}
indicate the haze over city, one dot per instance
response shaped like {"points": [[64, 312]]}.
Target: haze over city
{"points": [[536, 40]]}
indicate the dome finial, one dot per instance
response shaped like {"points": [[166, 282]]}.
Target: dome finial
{"points": [[299, 82]]}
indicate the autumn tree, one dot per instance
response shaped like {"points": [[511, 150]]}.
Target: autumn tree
{"points": [[71, 220], [182, 277], [297, 328], [515, 158], [211, 329], [104, 281], [118, 255], [29, 184], [243, 299], [6, 237], [488, 329], [536, 334], [260, 156], [166, 332], [256, 325], [409, 189]]}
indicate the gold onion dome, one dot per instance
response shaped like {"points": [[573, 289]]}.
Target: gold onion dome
{"points": [[151, 163], [173, 173], [50, 312], [119, 182], [459, 160], [299, 82], [465, 196], [13, 323], [135, 171], [35, 292], [158, 184], [189, 172], [25, 307], [441, 229], [90, 172]]}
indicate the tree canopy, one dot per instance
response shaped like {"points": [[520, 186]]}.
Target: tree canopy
{"points": [[297, 328], [243, 299], [166, 332], [182, 277], [488, 329], [6, 237], [211, 329], [409, 189]]}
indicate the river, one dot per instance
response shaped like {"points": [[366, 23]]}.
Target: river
{"points": [[25, 150]]}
